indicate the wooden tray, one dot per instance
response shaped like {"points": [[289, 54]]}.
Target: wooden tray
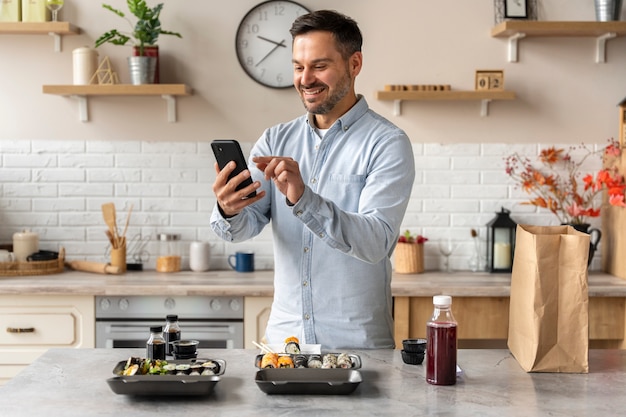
{"points": [[12, 269]]}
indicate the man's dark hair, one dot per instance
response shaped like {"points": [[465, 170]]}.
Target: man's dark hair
{"points": [[344, 29]]}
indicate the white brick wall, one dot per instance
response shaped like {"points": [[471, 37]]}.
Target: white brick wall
{"points": [[56, 188]]}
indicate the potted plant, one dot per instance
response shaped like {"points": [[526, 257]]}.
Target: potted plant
{"points": [[409, 254], [144, 35]]}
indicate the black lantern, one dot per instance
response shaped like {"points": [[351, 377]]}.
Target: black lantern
{"points": [[501, 242]]}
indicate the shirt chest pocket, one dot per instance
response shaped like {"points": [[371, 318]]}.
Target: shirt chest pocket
{"points": [[344, 190]]}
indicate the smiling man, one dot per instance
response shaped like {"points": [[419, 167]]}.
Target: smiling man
{"points": [[335, 184]]}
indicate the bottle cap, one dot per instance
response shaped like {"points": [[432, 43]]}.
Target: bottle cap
{"points": [[442, 300], [156, 329], [172, 317]]}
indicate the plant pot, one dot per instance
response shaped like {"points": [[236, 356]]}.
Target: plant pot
{"points": [[608, 10], [141, 69], [409, 258], [594, 238], [152, 51]]}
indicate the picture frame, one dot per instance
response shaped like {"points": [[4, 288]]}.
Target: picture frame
{"points": [[516, 9]]}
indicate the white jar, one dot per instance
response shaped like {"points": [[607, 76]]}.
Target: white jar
{"points": [[199, 256], [85, 65], [25, 243]]}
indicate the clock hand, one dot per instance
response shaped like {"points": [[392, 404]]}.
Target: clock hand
{"points": [[282, 43]]}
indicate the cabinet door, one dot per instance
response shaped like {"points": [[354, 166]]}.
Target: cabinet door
{"points": [[256, 314], [30, 325]]}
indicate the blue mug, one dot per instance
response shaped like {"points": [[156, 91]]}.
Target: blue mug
{"points": [[244, 261]]}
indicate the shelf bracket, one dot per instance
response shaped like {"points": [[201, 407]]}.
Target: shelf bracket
{"points": [[397, 107], [57, 41], [601, 46], [83, 110], [513, 46], [171, 107], [484, 107]]}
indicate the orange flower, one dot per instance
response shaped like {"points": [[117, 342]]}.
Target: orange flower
{"points": [[557, 185]]}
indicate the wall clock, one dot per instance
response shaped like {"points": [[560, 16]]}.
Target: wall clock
{"points": [[263, 42]]}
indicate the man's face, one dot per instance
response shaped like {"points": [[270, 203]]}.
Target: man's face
{"points": [[321, 76]]}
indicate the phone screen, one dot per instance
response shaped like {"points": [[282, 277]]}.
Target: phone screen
{"points": [[226, 150]]}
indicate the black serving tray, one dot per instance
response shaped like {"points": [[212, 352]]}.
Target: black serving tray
{"points": [[305, 381], [165, 385], [356, 359]]}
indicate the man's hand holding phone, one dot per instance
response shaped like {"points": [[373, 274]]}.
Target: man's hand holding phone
{"points": [[230, 199]]}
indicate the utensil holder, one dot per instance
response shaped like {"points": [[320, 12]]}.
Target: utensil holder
{"points": [[118, 257]]}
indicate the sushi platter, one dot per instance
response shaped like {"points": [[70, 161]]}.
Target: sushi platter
{"points": [[172, 378]]}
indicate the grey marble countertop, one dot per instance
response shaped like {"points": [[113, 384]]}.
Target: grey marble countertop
{"points": [[260, 284], [72, 383]]}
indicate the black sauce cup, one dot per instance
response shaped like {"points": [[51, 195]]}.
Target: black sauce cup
{"points": [[414, 345], [185, 347]]}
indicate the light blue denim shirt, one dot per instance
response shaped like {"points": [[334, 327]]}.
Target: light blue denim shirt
{"points": [[332, 248]]}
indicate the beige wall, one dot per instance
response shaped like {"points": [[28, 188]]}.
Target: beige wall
{"points": [[563, 95]]}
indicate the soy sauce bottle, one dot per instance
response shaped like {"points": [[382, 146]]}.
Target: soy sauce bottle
{"points": [[155, 347], [171, 333], [441, 343]]}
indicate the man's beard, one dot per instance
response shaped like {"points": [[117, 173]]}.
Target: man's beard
{"points": [[342, 89]]}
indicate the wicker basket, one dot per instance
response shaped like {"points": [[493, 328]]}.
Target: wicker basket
{"points": [[12, 269], [409, 258]]}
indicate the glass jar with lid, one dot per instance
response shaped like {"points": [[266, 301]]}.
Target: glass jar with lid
{"points": [[169, 256]]}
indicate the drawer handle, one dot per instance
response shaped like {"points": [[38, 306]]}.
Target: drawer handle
{"points": [[20, 330]]}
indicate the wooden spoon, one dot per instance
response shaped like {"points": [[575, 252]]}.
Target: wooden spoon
{"points": [[108, 213]]}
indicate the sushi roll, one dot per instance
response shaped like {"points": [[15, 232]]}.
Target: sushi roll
{"points": [[195, 369], [131, 370], [170, 369], [315, 361], [300, 361], [329, 361], [182, 369], [269, 360], [292, 345], [344, 361], [285, 361], [210, 368]]}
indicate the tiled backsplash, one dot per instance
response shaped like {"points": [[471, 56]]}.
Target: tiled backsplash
{"points": [[57, 188]]}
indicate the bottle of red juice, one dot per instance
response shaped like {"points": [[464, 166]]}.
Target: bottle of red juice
{"points": [[441, 343]]}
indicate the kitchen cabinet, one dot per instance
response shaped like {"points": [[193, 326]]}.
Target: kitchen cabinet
{"points": [[31, 324], [256, 314], [484, 96], [484, 321], [169, 92], [515, 30], [54, 29]]}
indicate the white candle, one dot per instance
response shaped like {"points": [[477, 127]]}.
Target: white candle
{"points": [[501, 255]]}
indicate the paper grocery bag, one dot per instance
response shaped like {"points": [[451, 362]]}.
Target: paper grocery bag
{"points": [[548, 314]]}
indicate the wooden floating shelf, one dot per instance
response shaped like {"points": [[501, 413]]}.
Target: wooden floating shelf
{"points": [[518, 29], [485, 96], [82, 92], [38, 28], [54, 29]]}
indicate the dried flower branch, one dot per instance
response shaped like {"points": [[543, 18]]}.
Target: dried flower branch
{"points": [[556, 184]]}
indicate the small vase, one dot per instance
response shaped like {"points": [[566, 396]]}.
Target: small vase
{"points": [[594, 238], [153, 51]]}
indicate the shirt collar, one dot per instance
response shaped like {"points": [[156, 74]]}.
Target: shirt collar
{"points": [[349, 117]]}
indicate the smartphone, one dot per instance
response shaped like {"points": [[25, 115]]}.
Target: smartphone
{"points": [[226, 150]]}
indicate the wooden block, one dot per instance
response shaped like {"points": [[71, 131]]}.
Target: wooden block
{"points": [[489, 80]]}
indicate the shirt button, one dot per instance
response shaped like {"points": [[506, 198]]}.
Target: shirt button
{"points": [[299, 213], [306, 250], [305, 283], [307, 317], [345, 128], [322, 235], [313, 181]]}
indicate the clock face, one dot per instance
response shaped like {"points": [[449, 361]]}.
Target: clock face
{"points": [[515, 9], [263, 42]]}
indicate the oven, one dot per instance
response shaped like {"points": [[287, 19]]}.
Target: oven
{"points": [[124, 322]]}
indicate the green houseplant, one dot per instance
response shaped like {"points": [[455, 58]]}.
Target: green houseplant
{"points": [[144, 32]]}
